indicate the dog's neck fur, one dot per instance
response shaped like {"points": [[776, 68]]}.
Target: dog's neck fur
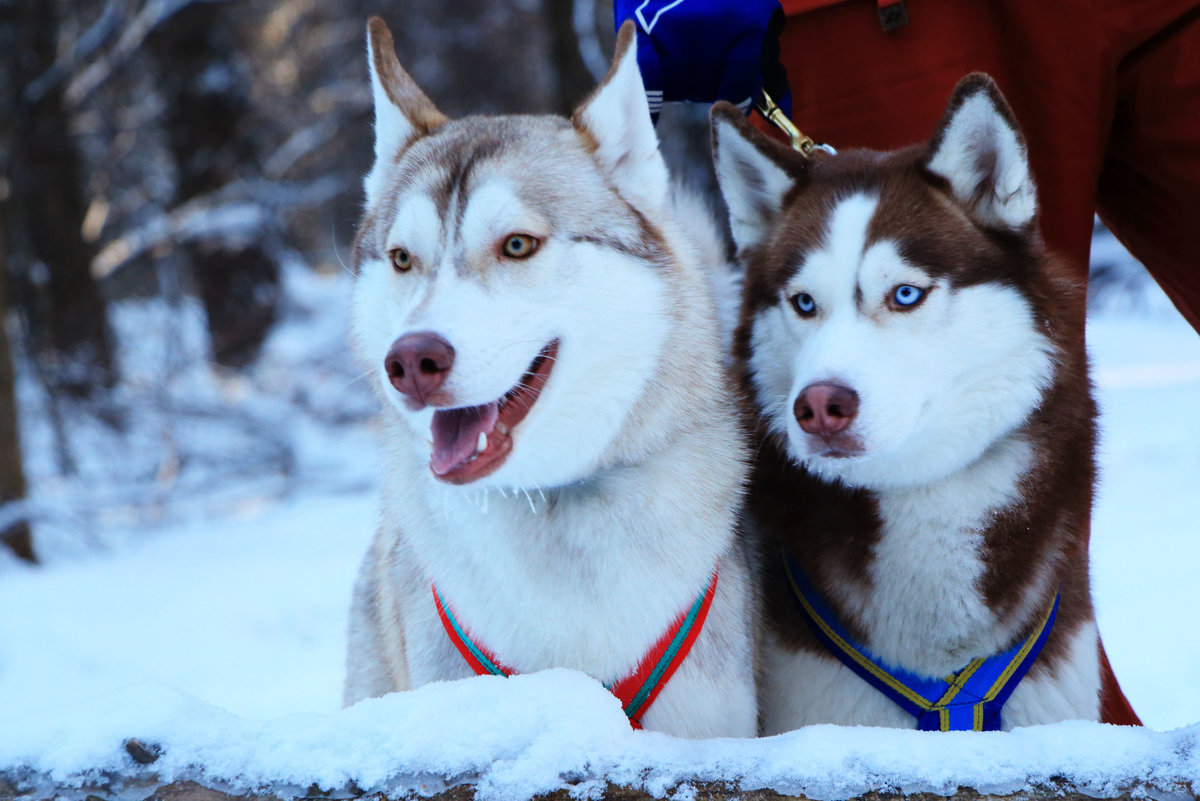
{"points": [[931, 576], [569, 555], [933, 536]]}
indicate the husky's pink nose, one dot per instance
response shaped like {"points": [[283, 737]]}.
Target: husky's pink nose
{"points": [[825, 408], [417, 364]]}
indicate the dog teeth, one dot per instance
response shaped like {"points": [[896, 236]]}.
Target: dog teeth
{"points": [[481, 443], [502, 428]]}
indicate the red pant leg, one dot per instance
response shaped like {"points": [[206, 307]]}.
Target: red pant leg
{"points": [[1149, 192], [1149, 187]]}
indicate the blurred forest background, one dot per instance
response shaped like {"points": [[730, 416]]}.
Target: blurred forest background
{"points": [[177, 181]]}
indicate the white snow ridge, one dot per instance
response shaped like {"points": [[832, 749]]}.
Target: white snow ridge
{"points": [[514, 738]]}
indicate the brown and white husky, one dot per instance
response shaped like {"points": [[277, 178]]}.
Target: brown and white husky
{"points": [[562, 452], [914, 365]]}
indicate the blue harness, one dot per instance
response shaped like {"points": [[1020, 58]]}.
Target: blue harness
{"points": [[969, 700]]}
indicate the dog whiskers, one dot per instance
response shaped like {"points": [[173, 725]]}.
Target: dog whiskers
{"points": [[532, 508], [337, 255], [356, 379]]}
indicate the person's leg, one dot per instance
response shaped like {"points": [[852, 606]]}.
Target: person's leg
{"points": [[1149, 191], [1149, 186]]}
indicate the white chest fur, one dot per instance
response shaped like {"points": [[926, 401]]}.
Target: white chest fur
{"points": [[923, 610], [586, 577], [922, 602]]}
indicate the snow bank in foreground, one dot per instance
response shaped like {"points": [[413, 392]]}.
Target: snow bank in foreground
{"points": [[248, 613], [537, 733]]}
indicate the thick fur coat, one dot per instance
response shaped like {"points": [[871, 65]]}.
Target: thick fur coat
{"points": [[548, 264], [916, 380]]}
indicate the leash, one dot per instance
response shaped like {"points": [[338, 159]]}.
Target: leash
{"points": [[639, 689], [805, 144], [969, 700]]}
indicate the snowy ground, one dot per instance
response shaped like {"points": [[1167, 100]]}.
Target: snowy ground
{"points": [[233, 624]]}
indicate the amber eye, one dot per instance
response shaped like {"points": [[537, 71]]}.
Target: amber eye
{"points": [[520, 246], [401, 260]]}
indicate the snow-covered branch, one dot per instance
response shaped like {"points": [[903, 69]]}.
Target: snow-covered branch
{"points": [[87, 43], [151, 15], [235, 214]]}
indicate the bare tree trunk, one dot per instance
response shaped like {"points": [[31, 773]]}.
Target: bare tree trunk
{"points": [[571, 75], [16, 536], [51, 261], [207, 120]]}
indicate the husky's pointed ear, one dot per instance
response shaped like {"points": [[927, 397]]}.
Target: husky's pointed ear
{"points": [[615, 121], [981, 153], [754, 172], [402, 111]]}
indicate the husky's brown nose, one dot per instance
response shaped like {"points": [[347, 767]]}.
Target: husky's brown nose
{"points": [[417, 364], [825, 408]]}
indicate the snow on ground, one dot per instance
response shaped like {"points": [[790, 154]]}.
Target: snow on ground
{"points": [[531, 734], [1146, 524], [246, 613], [221, 636]]}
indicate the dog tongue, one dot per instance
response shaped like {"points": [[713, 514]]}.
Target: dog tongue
{"points": [[456, 432]]}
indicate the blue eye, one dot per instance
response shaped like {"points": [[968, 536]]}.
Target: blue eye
{"points": [[907, 295], [804, 303]]}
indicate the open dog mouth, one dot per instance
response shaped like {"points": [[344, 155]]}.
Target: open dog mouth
{"points": [[471, 442]]}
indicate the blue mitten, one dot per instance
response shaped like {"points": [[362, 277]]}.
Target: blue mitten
{"points": [[708, 50]]}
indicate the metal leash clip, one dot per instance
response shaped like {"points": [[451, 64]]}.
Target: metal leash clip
{"points": [[805, 144]]}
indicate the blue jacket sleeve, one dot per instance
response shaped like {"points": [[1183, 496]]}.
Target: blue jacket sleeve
{"points": [[708, 50]]}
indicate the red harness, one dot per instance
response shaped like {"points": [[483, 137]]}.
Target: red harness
{"points": [[637, 691]]}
